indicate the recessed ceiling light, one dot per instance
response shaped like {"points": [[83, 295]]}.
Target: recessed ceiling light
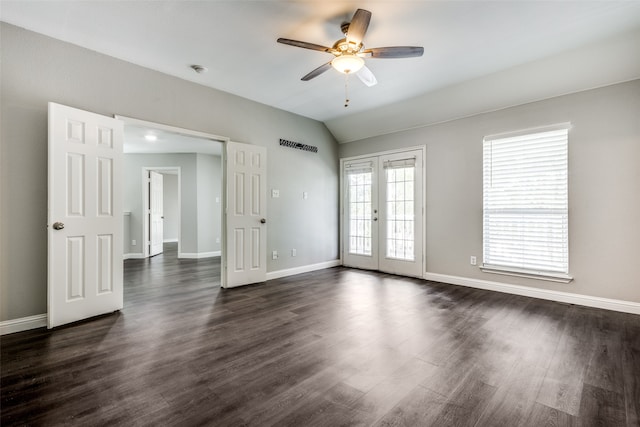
{"points": [[150, 137]]}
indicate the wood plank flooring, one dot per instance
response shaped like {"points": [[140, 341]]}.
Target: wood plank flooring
{"points": [[336, 347]]}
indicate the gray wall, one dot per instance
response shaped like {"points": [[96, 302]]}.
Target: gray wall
{"points": [[37, 69], [604, 187], [170, 207], [200, 182], [209, 186]]}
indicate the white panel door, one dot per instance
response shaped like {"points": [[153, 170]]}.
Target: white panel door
{"points": [[85, 215], [156, 213], [383, 213], [246, 191]]}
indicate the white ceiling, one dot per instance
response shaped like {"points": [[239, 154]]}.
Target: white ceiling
{"points": [[236, 41]]}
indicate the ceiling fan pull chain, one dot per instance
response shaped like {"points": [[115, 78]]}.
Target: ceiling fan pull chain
{"points": [[346, 90]]}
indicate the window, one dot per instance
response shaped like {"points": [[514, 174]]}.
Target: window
{"points": [[359, 187], [400, 209], [525, 204]]}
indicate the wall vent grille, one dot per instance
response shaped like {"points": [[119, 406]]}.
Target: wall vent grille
{"points": [[298, 145]]}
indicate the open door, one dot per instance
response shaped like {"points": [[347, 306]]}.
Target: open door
{"points": [[156, 213], [85, 215], [246, 228]]}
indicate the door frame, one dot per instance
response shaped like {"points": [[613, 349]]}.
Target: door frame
{"points": [[344, 160], [203, 135], [145, 205]]}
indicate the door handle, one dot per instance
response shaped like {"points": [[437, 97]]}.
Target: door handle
{"points": [[263, 221], [58, 225], [375, 218]]}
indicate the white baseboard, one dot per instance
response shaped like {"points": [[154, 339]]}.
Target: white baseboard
{"points": [[23, 324], [170, 241], [304, 269], [566, 297], [133, 256], [199, 254]]}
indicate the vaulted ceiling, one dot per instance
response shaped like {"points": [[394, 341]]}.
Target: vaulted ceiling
{"points": [[478, 55]]}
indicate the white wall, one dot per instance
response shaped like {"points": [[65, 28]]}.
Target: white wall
{"points": [[604, 187], [38, 69], [170, 207]]}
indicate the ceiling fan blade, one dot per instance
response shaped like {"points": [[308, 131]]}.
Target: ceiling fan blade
{"points": [[394, 52], [305, 45], [315, 73], [367, 77], [358, 26]]}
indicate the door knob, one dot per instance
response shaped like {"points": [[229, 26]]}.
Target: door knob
{"points": [[58, 225], [375, 218], [263, 221]]}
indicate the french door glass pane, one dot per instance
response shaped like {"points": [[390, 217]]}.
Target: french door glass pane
{"points": [[360, 210], [400, 213]]}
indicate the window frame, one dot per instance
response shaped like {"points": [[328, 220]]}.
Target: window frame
{"points": [[511, 270]]}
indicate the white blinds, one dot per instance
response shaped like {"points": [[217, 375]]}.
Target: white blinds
{"points": [[355, 168], [525, 202], [400, 163]]}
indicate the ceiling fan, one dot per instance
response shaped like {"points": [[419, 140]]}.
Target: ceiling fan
{"points": [[349, 52]]}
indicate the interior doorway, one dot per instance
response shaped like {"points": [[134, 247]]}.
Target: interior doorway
{"points": [[103, 186], [160, 158], [162, 204]]}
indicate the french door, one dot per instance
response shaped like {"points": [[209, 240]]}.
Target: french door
{"points": [[383, 212]]}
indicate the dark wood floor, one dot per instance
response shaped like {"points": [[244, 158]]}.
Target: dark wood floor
{"points": [[328, 348]]}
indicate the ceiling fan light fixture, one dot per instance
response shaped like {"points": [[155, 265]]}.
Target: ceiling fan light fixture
{"points": [[348, 64]]}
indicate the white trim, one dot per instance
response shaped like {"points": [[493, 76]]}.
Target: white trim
{"points": [[137, 255], [540, 275], [199, 255], [170, 240], [384, 153], [546, 294], [303, 269], [522, 132], [23, 324]]}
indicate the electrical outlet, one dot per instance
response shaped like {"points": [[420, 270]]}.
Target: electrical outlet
{"points": [[133, 243], [305, 195], [274, 255], [473, 260], [275, 194], [293, 252], [217, 240]]}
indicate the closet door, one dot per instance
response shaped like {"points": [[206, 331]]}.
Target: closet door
{"points": [[360, 226]]}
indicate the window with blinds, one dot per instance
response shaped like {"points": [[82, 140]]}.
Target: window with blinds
{"points": [[525, 204]]}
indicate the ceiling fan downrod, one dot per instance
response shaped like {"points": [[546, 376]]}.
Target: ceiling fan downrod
{"points": [[346, 90]]}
